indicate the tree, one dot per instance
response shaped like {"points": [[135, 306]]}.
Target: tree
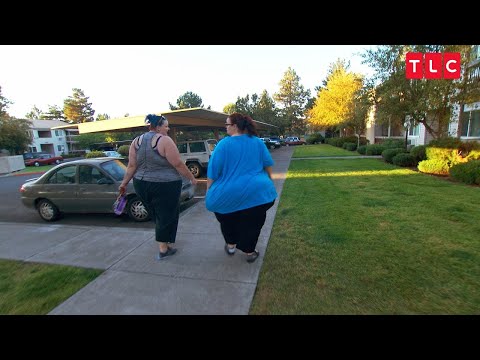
{"points": [[101, 117], [428, 102], [229, 108], [292, 96], [4, 103], [85, 141], [469, 85], [14, 133], [187, 101], [266, 111], [335, 103], [77, 109], [35, 113], [54, 113]]}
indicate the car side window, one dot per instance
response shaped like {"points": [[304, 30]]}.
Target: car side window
{"points": [[197, 147], [65, 175], [97, 175], [85, 174], [182, 148]]}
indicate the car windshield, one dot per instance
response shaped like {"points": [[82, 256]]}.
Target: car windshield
{"points": [[115, 168]]}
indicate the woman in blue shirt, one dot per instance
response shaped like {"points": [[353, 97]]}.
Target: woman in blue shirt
{"points": [[240, 188]]}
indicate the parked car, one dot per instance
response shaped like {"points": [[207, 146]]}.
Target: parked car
{"points": [[86, 186], [43, 159], [280, 141], [33, 155], [196, 154], [112, 153], [270, 144], [293, 140]]}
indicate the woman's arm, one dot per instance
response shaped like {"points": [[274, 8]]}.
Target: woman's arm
{"points": [[268, 169], [172, 155], [131, 168], [209, 183]]}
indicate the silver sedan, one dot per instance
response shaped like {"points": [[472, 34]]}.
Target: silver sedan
{"points": [[86, 186]]}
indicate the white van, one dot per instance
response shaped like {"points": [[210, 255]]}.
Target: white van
{"points": [[196, 154]]}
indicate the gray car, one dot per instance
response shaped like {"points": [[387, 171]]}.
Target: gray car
{"points": [[86, 186]]}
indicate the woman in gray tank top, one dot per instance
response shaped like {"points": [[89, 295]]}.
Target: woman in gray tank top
{"points": [[155, 165]]}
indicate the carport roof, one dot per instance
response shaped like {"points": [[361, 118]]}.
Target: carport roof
{"points": [[184, 119]]}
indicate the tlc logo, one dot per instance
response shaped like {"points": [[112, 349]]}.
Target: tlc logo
{"points": [[433, 65]]}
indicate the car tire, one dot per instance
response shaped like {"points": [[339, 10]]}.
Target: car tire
{"points": [[47, 210], [36, 163], [195, 169], [57, 161], [136, 210]]}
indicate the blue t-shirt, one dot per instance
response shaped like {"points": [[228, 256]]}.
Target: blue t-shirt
{"points": [[239, 179]]}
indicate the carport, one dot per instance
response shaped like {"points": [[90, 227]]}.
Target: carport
{"points": [[184, 119]]}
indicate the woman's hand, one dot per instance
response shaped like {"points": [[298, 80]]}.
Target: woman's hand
{"points": [[194, 181], [122, 189]]}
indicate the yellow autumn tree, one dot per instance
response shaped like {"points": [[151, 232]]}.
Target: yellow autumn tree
{"points": [[335, 100]]}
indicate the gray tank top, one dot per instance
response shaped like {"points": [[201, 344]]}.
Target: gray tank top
{"points": [[151, 166]]}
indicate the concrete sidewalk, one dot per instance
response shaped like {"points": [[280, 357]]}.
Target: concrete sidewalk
{"points": [[200, 279]]}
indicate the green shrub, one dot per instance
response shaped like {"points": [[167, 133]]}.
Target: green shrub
{"points": [[362, 149], [350, 146], [94, 154], [434, 166], [393, 143], [388, 154], [315, 138], [124, 150], [419, 153], [468, 172], [374, 149], [404, 160]]}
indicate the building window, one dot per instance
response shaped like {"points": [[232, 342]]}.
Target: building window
{"points": [[414, 130], [471, 124]]}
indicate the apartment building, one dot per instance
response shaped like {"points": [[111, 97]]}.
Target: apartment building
{"points": [[53, 141]]}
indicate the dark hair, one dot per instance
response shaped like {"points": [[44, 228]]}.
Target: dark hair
{"points": [[155, 120], [244, 123]]}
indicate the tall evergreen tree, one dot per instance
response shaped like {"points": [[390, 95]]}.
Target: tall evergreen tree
{"points": [[34, 114], [54, 113], [266, 111], [293, 97], [77, 108], [187, 101]]}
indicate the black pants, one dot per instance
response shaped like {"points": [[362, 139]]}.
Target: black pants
{"points": [[243, 227], [162, 202]]}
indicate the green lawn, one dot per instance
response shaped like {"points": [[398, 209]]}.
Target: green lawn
{"points": [[28, 288], [321, 150], [31, 169], [359, 236]]}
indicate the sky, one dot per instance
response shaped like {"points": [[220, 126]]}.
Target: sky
{"points": [[143, 79]]}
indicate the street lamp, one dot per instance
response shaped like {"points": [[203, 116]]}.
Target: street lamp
{"points": [[407, 124]]}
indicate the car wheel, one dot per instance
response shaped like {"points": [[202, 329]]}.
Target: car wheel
{"points": [[47, 210], [36, 163], [57, 161], [195, 169], [136, 210]]}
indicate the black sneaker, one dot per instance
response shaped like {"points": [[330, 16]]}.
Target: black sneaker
{"points": [[169, 252], [253, 256]]}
